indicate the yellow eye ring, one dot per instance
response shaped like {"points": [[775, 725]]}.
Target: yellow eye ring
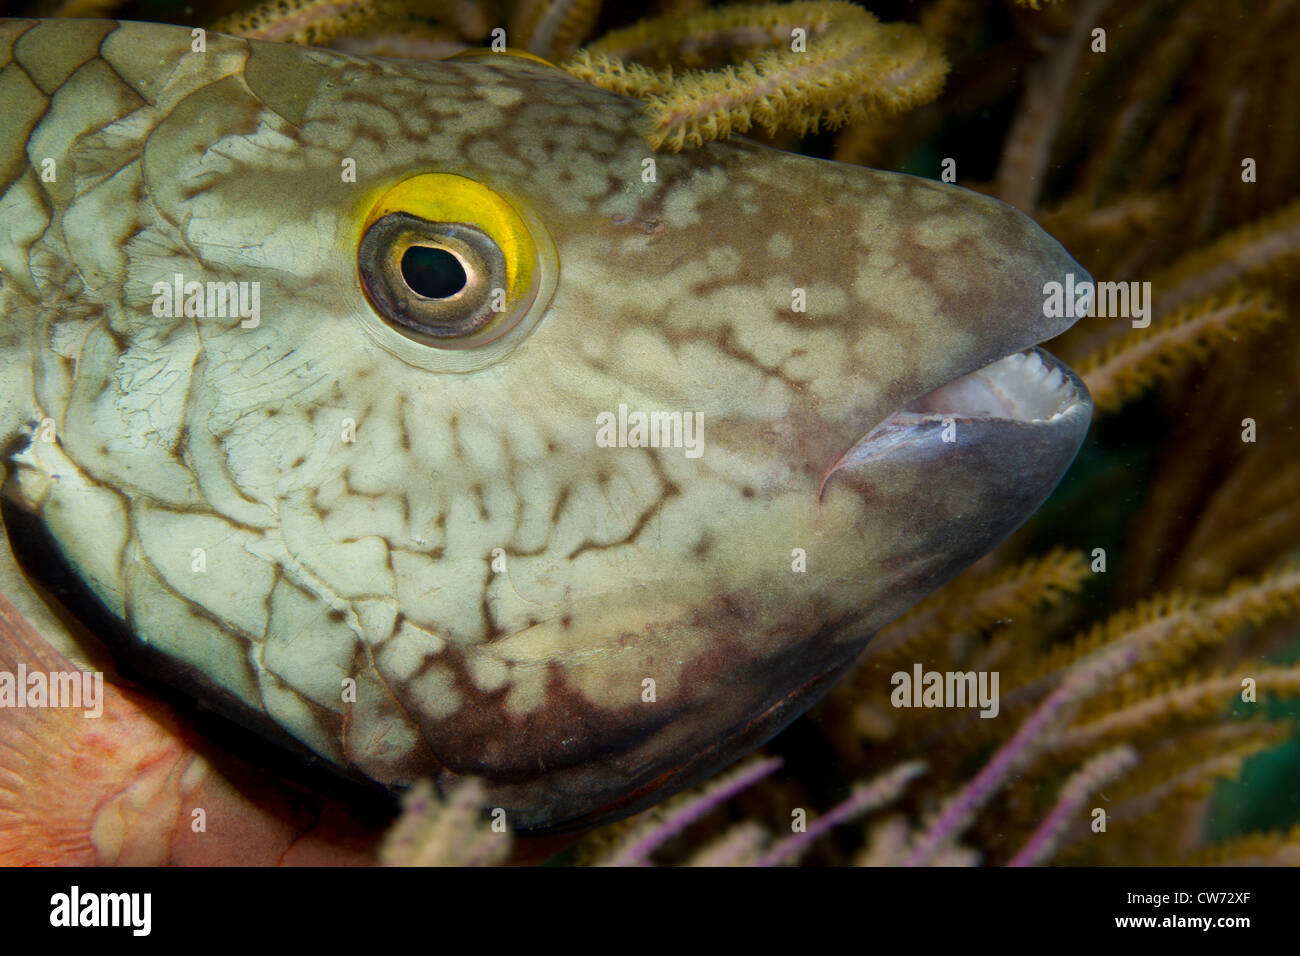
{"points": [[503, 257], [483, 53]]}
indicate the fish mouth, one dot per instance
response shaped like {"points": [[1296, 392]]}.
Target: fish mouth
{"points": [[1030, 387]]}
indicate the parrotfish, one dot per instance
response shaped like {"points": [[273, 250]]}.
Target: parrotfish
{"points": [[419, 421]]}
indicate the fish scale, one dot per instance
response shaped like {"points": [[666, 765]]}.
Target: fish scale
{"points": [[409, 557]]}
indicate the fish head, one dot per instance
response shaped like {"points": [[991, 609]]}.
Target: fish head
{"points": [[529, 454]]}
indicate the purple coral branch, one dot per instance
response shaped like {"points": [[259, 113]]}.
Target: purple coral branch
{"points": [[878, 792], [636, 852], [1045, 839], [742, 842], [1033, 734]]}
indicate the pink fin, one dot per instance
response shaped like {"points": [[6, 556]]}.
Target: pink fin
{"points": [[132, 786]]}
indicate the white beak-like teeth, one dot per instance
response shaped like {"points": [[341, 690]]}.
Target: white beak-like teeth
{"points": [[1021, 386]]}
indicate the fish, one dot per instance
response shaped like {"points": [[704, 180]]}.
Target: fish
{"points": [[415, 420]]}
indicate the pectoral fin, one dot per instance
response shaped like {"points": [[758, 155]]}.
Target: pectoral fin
{"points": [[131, 786]]}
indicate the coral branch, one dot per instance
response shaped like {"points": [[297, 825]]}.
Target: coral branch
{"points": [[1167, 629], [1028, 145], [739, 846], [643, 841], [1257, 849], [444, 831], [976, 601], [853, 68], [1195, 699], [552, 28], [1132, 363], [1261, 249], [306, 21], [1254, 515], [1105, 766], [866, 797], [1190, 763], [1031, 737], [625, 79], [320, 22]]}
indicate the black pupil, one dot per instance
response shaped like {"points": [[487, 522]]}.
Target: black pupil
{"points": [[432, 273]]}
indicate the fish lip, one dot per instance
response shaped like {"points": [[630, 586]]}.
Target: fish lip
{"points": [[1030, 387]]}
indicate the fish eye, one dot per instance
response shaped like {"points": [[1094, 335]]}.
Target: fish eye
{"points": [[439, 281], [447, 262]]}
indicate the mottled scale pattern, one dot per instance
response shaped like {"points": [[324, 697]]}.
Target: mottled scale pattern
{"points": [[329, 560]]}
